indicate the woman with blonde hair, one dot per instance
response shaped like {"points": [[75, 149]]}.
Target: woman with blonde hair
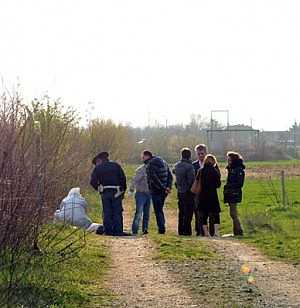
{"points": [[208, 201]]}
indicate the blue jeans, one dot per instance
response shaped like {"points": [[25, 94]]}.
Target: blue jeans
{"points": [[112, 213], [158, 205], [142, 201]]}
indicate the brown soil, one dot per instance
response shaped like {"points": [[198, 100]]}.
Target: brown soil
{"points": [[138, 280]]}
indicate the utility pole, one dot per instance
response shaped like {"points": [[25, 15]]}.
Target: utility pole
{"points": [[283, 190]]}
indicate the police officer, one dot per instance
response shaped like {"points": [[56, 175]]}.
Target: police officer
{"points": [[109, 179]]}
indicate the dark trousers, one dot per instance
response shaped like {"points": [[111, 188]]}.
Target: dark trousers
{"points": [[212, 218], [158, 201], [198, 227], [237, 228], [112, 213], [185, 213], [198, 222]]}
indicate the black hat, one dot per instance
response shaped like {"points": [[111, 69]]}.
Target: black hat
{"points": [[102, 156]]}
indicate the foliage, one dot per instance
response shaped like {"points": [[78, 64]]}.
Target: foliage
{"points": [[37, 144]]}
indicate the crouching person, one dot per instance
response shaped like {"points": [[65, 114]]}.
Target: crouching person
{"points": [[185, 176], [109, 179], [208, 201], [73, 211], [139, 184]]}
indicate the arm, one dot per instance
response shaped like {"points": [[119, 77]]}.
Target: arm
{"points": [[216, 178], [137, 177], [190, 176], [122, 178], [94, 179], [218, 170], [132, 186], [239, 178], [170, 179]]}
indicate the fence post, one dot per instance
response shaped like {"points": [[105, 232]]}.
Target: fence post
{"points": [[283, 190]]}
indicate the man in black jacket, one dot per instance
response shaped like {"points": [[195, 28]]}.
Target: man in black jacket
{"points": [[109, 179], [160, 180], [185, 176]]}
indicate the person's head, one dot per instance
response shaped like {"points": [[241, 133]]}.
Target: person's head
{"points": [[210, 160], [232, 157], [74, 191], [201, 151], [146, 155], [186, 153], [100, 158]]}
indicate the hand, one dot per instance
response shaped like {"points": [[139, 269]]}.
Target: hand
{"points": [[130, 193], [168, 190]]}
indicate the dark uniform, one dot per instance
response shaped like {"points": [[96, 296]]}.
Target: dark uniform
{"points": [[109, 179]]}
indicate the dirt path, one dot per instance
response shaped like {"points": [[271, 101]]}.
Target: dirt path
{"points": [[139, 281], [278, 282]]}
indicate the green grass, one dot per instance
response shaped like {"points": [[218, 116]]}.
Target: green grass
{"points": [[171, 247], [269, 226], [273, 229], [76, 282]]}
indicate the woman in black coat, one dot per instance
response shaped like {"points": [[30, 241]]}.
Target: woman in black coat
{"points": [[233, 188], [208, 201]]}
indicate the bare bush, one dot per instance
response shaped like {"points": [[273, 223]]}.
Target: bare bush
{"points": [[40, 159]]}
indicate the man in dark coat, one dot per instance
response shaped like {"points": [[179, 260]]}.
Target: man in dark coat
{"points": [[109, 179], [159, 179], [233, 188], [185, 176]]}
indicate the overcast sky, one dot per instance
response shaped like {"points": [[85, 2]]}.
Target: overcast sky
{"points": [[166, 59]]}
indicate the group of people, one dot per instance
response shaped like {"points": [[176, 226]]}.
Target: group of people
{"points": [[196, 183]]}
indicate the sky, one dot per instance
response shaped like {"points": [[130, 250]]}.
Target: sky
{"points": [[144, 61]]}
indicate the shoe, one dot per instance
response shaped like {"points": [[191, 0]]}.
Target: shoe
{"points": [[126, 234], [100, 230], [145, 232]]}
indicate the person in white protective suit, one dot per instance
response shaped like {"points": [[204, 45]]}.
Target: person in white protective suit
{"points": [[73, 211]]}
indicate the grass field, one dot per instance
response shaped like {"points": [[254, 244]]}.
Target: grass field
{"points": [[273, 229], [269, 226], [76, 282]]}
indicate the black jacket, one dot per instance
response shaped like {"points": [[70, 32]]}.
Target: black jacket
{"points": [[196, 166], [235, 181], [185, 175], [159, 175], [208, 200], [108, 173]]}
